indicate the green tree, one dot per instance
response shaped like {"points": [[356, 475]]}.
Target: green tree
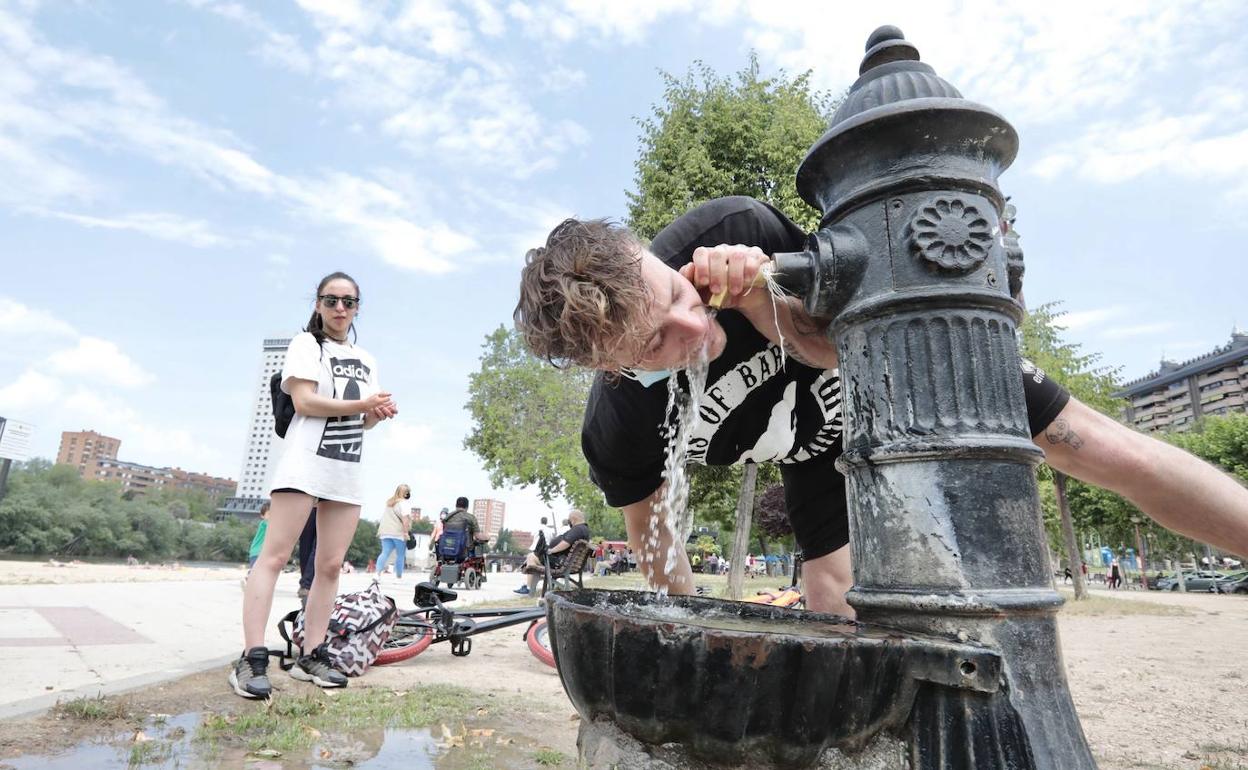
{"points": [[1221, 440], [50, 510], [506, 543], [713, 136], [1092, 383], [422, 527], [527, 426], [365, 545]]}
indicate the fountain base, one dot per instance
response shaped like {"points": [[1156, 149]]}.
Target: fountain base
{"points": [[603, 746]]}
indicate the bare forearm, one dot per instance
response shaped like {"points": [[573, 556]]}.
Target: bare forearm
{"points": [[313, 405], [650, 540], [1174, 488]]}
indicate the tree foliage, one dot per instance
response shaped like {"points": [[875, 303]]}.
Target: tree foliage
{"points": [[50, 510], [527, 426], [506, 543], [772, 516], [1222, 440], [713, 136], [1079, 372]]}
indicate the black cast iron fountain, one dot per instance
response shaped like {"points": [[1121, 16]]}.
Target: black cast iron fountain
{"points": [[955, 663]]}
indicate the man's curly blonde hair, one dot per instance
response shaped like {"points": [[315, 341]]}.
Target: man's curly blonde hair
{"points": [[582, 297]]}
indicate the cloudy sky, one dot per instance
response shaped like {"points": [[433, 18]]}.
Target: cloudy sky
{"points": [[176, 175]]}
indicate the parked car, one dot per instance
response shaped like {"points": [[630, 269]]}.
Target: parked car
{"points": [[1196, 581], [1234, 582]]}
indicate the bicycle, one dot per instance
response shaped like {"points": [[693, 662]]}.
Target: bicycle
{"points": [[432, 622]]}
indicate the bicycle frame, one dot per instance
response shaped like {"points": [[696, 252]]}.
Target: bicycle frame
{"points": [[456, 626]]}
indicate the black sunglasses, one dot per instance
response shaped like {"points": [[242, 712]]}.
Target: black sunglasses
{"points": [[330, 301]]}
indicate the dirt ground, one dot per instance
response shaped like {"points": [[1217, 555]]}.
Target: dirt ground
{"points": [[1153, 690], [61, 572], [522, 695]]}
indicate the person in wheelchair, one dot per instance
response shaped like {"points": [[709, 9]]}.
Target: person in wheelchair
{"points": [[461, 535], [554, 552]]}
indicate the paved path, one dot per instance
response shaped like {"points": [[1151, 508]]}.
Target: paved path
{"points": [[60, 642]]}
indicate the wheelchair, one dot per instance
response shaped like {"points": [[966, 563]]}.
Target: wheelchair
{"points": [[457, 561]]}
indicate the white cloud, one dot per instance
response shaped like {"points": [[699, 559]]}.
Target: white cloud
{"points": [[31, 391], [1080, 319], [1138, 330], [563, 79], [98, 360], [142, 441], [93, 100], [167, 227], [18, 320]]}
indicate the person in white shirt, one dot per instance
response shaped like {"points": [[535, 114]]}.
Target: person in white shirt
{"points": [[334, 386], [392, 531]]}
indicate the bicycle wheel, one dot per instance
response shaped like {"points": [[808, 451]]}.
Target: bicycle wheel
{"points": [[538, 638], [406, 641]]}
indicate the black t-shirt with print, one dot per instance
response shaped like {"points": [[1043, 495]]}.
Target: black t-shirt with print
{"points": [[753, 409]]}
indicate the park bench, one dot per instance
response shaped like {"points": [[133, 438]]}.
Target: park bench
{"points": [[570, 572]]}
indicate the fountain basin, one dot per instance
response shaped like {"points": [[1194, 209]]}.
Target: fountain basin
{"points": [[732, 681]]}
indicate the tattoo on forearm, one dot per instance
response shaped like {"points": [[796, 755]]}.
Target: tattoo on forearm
{"points": [[1061, 432], [791, 351]]}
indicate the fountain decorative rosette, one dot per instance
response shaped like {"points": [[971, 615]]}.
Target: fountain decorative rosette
{"points": [[912, 264]]}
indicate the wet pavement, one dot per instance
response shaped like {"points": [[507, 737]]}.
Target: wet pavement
{"points": [[172, 742]]}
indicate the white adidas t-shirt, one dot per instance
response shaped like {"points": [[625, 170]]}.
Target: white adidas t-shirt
{"points": [[321, 455]]}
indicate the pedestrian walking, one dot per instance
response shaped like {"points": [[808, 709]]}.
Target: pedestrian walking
{"points": [[393, 531], [257, 541], [333, 384]]}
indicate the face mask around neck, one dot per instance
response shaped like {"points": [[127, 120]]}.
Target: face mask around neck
{"points": [[645, 378]]}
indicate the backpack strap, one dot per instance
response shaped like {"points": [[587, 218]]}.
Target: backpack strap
{"points": [[286, 660]]}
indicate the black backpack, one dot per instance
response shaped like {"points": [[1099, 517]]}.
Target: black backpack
{"points": [[283, 405]]}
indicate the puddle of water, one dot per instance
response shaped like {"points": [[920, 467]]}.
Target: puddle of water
{"points": [[171, 745]]}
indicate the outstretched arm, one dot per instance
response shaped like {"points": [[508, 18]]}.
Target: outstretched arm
{"points": [[1174, 488]]}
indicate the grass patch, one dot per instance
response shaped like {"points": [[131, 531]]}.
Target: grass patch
{"points": [[1239, 749], [150, 753], [97, 709], [290, 723], [1100, 606], [548, 757]]}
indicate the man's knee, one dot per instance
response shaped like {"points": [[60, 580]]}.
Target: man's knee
{"points": [[825, 581]]}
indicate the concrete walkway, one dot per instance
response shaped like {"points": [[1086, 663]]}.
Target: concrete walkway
{"points": [[60, 642]]}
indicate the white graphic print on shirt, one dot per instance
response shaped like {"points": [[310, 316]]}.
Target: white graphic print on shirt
{"points": [[343, 437], [778, 440]]}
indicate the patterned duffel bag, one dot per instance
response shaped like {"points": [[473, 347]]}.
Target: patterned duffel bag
{"points": [[359, 625]]}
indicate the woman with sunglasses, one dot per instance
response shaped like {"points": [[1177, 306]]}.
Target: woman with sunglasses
{"points": [[333, 383]]}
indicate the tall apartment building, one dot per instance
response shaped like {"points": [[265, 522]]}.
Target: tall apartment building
{"points": [[83, 448], [489, 515], [1177, 395], [263, 446]]}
